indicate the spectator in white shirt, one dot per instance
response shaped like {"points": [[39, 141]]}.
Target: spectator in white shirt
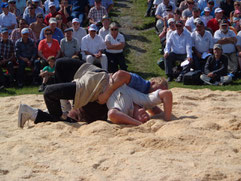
{"points": [[178, 48], [190, 21], [105, 29], [7, 19], [202, 44], [115, 42], [227, 38], [93, 46]]}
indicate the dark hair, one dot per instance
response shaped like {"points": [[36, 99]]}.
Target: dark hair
{"points": [[47, 29], [178, 11]]}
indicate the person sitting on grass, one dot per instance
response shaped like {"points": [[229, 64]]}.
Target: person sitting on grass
{"points": [[47, 73]]}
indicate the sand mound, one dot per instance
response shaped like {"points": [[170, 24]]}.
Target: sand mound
{"points": [[203, 142]]}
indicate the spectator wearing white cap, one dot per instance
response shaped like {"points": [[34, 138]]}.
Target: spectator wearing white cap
{"points": [[204, 3], [213, 24], [52, 14], [38, 9], [105, 29], [57, 33], [7, 19], [227, 38], [190, 21], [210, 5], [206, 16], [78, 32], [202, 44], [79, 9], [26, 54], [46, 5], [38, 25], [93, 46]]}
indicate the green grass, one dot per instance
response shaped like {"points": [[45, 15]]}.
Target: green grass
{"points": [[142, 55]]}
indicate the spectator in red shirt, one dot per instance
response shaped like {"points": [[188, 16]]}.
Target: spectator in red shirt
{"points": [[213, 24], [53, 13]]}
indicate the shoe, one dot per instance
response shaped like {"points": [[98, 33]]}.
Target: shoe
{"points": [[42, 88], [25, 113], [206, 79], [1, 87], [20, 85], [179, 78], [65, 105], [169, 79]]}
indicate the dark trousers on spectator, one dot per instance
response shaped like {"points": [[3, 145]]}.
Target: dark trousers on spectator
{"points": [[171, 60], [149, 7], [114, 61], [199, 64], [9, 67]]}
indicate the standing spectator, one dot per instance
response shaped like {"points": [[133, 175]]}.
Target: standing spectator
{"points": [[190, 21], [105, 29], [31, 16], [79, 10], [213, 24], [16, 33], [56, 32], [69, 45], [46, 5], [38, 25], [7, 19], [115, 42], [97, 12], [6, 56], [202, 44], [48, 47], [60, 23], [93, 46], [26, 54], [178, 48], [38, 9], [227, 38], [78, 32], [13, 9]]}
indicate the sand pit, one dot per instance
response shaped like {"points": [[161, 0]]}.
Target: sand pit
{"points": [[203, 142]]}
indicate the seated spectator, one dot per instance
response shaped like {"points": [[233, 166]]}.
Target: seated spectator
{"points": [[236, 15], [238, 46], [46, 5], [108, 4], [47, 73], [26, 54], [53, 13], [31, 16], [38, 9], [161, 13], [37, 26], [210, 5], [56, 32], [204, 3], [202, 44], [79, 10], [178, 15], [187, 13], [105, 29], [213, 24], [13, 9], [60, 23], [6, 57], [93, 46], [96, 13], [69, 45], [235, 25], [227, 6], [78, 32], [236, 7], [206, 17], [21, 5], [48, 47], [7, 19], [183, 5], [178, 48], [190, 21], [65, 11], [227, 38], [16, 33], [115, 43], [216, 68]]}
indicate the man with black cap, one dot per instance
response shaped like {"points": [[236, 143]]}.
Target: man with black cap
{"points": [[69, 45], [202, 44], [178, 48], [228, 39]]}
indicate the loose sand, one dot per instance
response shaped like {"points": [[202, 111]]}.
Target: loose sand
{"points": [[203, 142]]}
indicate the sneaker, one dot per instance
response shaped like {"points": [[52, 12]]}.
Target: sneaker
{"points": [[42, 88], [169, 79], [206, 79], [25, 113], [1, 87], [65, 105], [179, 78]]}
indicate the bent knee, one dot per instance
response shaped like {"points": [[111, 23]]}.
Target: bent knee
{"points": [[112, 115]]}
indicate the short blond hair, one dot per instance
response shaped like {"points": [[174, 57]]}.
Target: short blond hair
{"points": [[160, 80]]}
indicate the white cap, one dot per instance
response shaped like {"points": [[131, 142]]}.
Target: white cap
{"points": [[218, 10], [25, 30], [171, 20], [75, 20], [207, 9], [51, 4]]}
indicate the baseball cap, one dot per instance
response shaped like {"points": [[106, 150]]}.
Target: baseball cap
{"points": [[207, 9], [93, 27], [105, 17], [218, 10], [4, 29], [75, 20], [171, 20], [68, 29], [217, 46], [198, 21], [4, 5], [52, 20], [25, 30], [51, 4], [224, 21], [9, 1]]}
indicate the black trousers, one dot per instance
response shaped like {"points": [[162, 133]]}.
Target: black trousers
{"points": [[114, 61]]}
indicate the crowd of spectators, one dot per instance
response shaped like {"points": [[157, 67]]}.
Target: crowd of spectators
{"points": [[188, 31], [34, 30]]}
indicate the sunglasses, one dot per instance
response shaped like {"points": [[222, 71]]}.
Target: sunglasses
{"points": [[114, 29]]}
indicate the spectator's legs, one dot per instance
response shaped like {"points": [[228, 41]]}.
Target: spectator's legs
{"points": [[53, 94], [232, 62], [169, 61], [149, 6], [112, 64], [10, 71], [2, 79], [90, 59], [121, 61], [36, 71], [20, 73], [104, 62]]}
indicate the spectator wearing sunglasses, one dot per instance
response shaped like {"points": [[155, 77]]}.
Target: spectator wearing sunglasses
{"points": [[38, 25], [31, 17]]}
